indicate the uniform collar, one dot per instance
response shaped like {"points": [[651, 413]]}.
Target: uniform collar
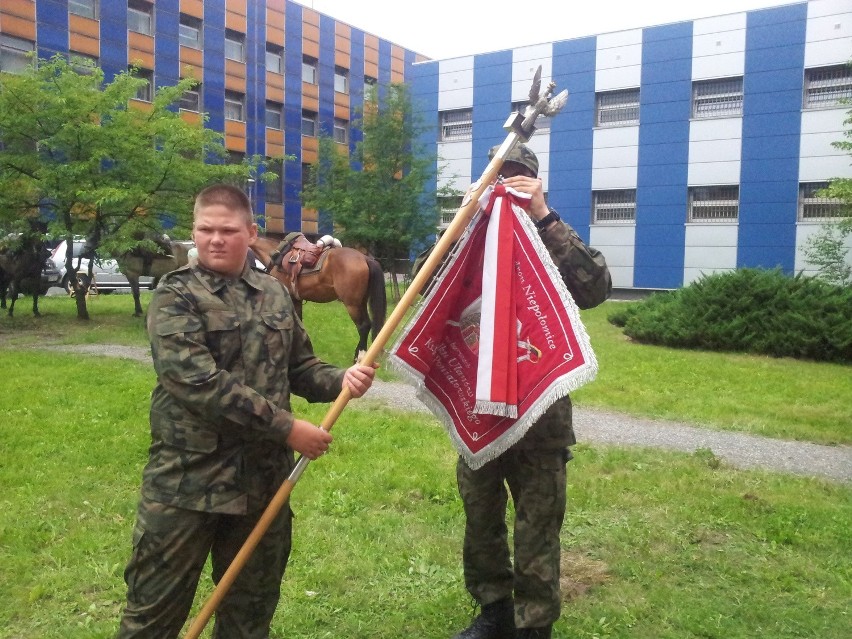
{"points": [[214, 282]]}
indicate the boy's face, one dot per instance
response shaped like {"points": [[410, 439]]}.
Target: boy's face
{"points": [[222, 237]]}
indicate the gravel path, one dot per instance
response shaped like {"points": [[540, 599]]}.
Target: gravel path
{"points": [[592, 425]]}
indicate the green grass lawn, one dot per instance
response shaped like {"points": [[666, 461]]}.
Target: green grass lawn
{"points": [[656, 544]]}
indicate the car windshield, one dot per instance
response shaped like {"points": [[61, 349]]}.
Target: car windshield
{"points": [[79, 247]]}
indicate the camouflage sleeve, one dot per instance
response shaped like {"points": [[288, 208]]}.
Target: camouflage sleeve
{"points": [[310, 377], [187, 371], [583, 269]]}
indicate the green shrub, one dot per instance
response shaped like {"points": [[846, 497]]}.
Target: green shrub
{"points": [[749, 310]]}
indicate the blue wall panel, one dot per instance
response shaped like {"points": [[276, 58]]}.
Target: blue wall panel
{"points": [[772, 103], [214, 65], [326, 75], [166, 47], [113, 57], [492, 102], [661, 194], [52, 27], [424, 102], [293, 117], [356, 84], [571, 133]]}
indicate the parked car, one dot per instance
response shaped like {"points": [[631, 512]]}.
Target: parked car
{"points": [[107, 276]]}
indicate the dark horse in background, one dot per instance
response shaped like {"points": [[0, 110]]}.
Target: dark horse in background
{"points": [[21, 263], [143, 261], [345, 274]]}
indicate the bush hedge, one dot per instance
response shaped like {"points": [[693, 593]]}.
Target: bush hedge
{"points": [[748, 310]]}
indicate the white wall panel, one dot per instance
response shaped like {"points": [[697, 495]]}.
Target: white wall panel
{"points": [[718, 47], [804, 231], [455, 83], [616, 178], [617, 243], [619, 60], [615, 157], [454, 161], [715, 149], [829, 33], [709, 248]]}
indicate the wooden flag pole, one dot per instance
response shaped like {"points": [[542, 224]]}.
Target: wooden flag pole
{"points": [[521, 127]]}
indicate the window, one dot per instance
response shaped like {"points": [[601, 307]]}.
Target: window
{"points": [[190, 34], [85, 8], [714, 203], [341, 80], [274, 117], [816, 207], [309, 70], [234, 105], [14, 52], [145, 92], [82, 63], [274, 59], [306, 176], [613, 206], [309, 123], [827, 86], [617, 108], [140, 16], [717, 98], [191, 100], [341, 131], [449, 206], [542, 122], [235, 45], [456, 125], [275, 189], [369, 84]]}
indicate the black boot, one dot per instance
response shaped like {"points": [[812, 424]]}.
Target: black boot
{"points": [[535, 633], [497, 621]]}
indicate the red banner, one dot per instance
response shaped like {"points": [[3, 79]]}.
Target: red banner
{"points": [[498, 338]]}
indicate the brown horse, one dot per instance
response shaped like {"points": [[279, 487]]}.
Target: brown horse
{"points": [[347, 275], [143, 262]]}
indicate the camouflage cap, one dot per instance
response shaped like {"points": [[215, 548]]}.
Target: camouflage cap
{"points": [[521, 154]]}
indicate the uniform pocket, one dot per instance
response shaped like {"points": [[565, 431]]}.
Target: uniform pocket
{"points": [[189, 438], [278, 335]]}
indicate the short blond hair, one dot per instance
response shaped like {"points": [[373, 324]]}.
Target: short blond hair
{"points": [[228, 196]]}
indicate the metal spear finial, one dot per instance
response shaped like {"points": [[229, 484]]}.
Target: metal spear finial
{"points": [[523, 124]]}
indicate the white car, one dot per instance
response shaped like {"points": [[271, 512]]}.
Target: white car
{"points": [[106, 273]]}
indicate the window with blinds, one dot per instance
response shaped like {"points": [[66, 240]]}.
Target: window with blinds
{"points": [[613, 207], [717, 98], [714, 203], [617, 108], [456, 125]]}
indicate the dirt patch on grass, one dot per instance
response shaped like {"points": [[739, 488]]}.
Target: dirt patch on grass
{"points": [[580, 574]]}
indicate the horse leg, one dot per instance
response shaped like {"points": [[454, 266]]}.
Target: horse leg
{"points": [[35, 305], [13, 295], [134, 289], [362, 322]]}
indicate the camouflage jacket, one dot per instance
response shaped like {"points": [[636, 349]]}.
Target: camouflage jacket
{"points": [[585, 273], [227, 354]]}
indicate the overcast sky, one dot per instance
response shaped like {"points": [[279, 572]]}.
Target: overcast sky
{"points": [[442, 29]]}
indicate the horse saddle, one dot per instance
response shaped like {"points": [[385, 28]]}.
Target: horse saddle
{"points": [[297, 255]]}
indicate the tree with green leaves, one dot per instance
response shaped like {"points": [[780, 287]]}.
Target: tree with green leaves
{"points": [[79, 154], [828, 249], [375, 197]]}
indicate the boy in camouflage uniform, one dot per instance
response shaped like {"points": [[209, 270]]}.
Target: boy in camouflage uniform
{"points": [[228, 349], [524, 601]]}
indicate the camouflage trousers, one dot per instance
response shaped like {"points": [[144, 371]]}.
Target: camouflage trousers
{"points": [[536, 480], [170, 548]]}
